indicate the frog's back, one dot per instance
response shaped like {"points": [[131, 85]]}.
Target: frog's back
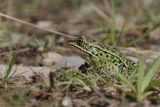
{"points": [[108, 49], [109, 57]]}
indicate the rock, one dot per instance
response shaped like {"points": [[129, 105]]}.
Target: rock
{"points": [[51, 57], [70, 61]]}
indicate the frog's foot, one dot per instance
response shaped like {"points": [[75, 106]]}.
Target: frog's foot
{"points": [[84, 67]]}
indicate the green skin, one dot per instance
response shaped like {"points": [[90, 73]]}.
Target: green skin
{"points": [[104, 57]]}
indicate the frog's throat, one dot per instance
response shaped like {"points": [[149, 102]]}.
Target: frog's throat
{"points": [[85, 51], [110, 53]]}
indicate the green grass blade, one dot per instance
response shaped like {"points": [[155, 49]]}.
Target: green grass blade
{"points": [[9, 68], [78, 81], [150, 74], [141, 71]]}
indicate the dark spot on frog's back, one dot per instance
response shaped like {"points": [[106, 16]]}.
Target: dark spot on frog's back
{"points": [[100, 54], [105, 62], [107, 55], [101, 61], [96, 54], [115, 64], [92, 52], [114, 61]]}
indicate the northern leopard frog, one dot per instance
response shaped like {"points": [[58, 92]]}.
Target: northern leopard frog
{"points": [[104, 57]]}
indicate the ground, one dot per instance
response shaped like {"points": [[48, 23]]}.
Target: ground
{"points": [[34, 35]]}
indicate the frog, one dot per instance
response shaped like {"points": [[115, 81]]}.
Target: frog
{"points": [[104, 57]]}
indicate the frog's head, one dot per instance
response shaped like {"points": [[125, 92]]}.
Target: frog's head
{"points": [[80, 43], [84, 45]]}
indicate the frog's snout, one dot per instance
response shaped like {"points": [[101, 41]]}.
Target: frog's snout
{"points": [[76, 42], [71, 42]]}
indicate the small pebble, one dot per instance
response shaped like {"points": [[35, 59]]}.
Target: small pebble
{"points": [[67, 102]]}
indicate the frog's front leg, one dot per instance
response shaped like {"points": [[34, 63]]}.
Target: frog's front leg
{"points": [[88, 67], [85, 67]]}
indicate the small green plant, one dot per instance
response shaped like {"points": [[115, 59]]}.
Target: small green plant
{"points": [[9, 68], [38, 44], [112, 38], [73, 78], [143, 81]]}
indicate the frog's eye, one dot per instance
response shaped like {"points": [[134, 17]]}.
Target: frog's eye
{"points": [[79, 42]]}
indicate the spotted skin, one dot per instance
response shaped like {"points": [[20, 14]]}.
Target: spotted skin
{"points": [[104, 57]]}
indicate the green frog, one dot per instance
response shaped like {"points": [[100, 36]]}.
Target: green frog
{"points": [[104, 57]]}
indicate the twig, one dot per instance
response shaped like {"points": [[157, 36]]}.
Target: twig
{"points": [[33, 25], [146, 34], [52, 81], [100, 12]]}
